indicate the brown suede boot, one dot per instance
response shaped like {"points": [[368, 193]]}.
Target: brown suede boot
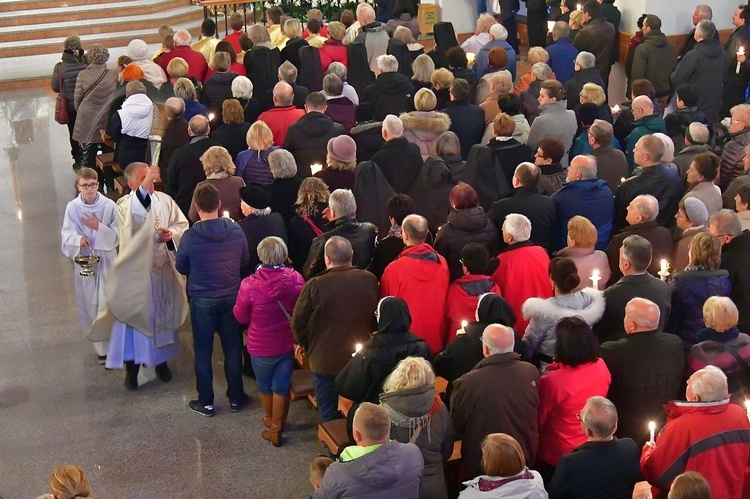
{"points": [[273, 434], [267, 402]]}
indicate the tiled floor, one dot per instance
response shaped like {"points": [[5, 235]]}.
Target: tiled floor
{"points": [[58, 406]]}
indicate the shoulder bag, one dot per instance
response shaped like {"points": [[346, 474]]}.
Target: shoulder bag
{"points": [[61, 103]]}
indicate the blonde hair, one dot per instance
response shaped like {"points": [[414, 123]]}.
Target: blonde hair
{"points": [[503, 125], [259, 137], [720, 313], [177, 67], [441, 78], [485, 22], [336, 30], [705, 249], [594, 94], [690, 485], [411, 372], [68, 482], [425, 100], [576, 19], [221, 62], [423, 67], [318, 468], [582, 232], [502, 455], [216, 159], [292, 28], [537, 54]]}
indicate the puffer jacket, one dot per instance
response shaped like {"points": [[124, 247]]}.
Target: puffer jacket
{"points": [[307, 140], [469, 225], [543, 315], [211, 254], [420, 408], [216, 90], [362, 378], [269, 332], [731, 158], [424, 129], [714, 348], [92, 111], [463, 297], [702, 67], [655, 59], [71, 64], [253, 167], [690, 290], [390, 93], [360, 234]]}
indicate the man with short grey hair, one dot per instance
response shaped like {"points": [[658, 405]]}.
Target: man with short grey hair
{"points": [[507, 391], [287, 73], [647, 368], [735, 258], [342, 213], [695, 142], [635, 256], [398, 159], [705, 430], [338, 69], [391, 92], [605, 465], [284, 114], [700, 13], [646, 122], [611, 161], [641, 217], [197, 65], [333, 313], [586, 195], [562, 53], [373, 35]]}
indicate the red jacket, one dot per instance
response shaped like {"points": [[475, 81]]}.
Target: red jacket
{"points": [[196, 62], [522, 274], [333, 51], [463, 295], [563, 392], [234, 40], [279, 119], [419, 276], [712, 438], [323, 32]]}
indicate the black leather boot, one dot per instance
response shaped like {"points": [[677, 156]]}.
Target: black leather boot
{"points": [[131, 375]]}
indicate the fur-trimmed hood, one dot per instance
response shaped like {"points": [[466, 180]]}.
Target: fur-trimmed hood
{"points": [[588, 303], [431, 121]]}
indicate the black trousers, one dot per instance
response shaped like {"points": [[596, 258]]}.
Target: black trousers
{"points": [[536, 23], [75, 147]]}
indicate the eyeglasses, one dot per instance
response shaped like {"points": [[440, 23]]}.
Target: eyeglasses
{"points": [[92, 185]]}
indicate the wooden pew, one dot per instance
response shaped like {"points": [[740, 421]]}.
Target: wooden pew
{"points": [[333, 435], [302, 385]]}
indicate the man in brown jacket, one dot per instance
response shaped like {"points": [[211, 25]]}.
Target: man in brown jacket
{"points": [[500, 395], [597, 37], [335, 311]]}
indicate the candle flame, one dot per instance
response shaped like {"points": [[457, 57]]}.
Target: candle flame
{"points": [[226, 214], [579, 7], [464, 323], [211, 116], [651, 426]]}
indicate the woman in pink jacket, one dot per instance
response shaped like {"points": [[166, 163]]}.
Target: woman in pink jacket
{"points": [[577, 374], [265, 302]]}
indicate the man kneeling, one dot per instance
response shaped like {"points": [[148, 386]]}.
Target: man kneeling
{"points": [[376, 465]]}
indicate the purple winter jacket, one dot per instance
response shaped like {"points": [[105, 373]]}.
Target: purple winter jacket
{"points": [[269, 332]]}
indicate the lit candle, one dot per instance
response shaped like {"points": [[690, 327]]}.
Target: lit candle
{"points": [[226, 214], [357, 349], [740, 52], [550, 25], [464, 324], [579, 7], [615, 109], [211, 116], [315, 168], [622, 179], [747, 408], [652, 431], [470, 56], [595, 278], [664, 265]]}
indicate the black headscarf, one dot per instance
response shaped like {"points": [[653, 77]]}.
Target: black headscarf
{"points": [[372, 191], [393, 315], [431, 192]]}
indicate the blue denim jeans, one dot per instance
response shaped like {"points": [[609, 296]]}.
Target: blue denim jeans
{"points": [[327, 397], [481, 6], [273, 374], [208, 316]]}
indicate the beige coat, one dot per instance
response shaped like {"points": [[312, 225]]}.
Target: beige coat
{"points": [[92, 111]]}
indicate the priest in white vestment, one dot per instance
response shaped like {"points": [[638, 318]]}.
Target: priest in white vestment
{"points": [[90, 226], [146, 300]]}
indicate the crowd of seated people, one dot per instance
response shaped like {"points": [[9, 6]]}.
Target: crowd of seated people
{"points": [[548, 255]]}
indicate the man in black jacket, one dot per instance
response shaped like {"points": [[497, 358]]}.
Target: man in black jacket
{"points": [[391, 92], [467, 119], [538, 208], [735, 258], [342, 211], [647, 368], [308, 138], [398, 159]]}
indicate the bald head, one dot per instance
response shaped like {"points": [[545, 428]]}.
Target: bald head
{"points": [[198, 126], [174, 108], [641, 315], [582, 167], [283, 94], [642, 106], [338, 252], [497, 339], [644, 208], [414, 229]]}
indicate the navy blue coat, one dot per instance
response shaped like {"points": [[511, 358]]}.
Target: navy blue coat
{"points": [[589, 198], [211, 254], [562, 55]]}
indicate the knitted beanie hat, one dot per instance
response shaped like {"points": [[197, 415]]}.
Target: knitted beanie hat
{"points": [[696, 211], [97, 54]]}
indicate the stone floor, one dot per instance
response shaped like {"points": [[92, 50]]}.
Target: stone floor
{"points": [[57, 406]]}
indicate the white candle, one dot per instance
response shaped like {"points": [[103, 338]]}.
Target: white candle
{"points": [[464, 324], [740, 52], [211, 116], [315, 168], [616, 108], [579, 7], [357, 349], [550, 25], [470, 56], [225, 214], [652, 431], [747, 408], [595, 278], [664, 266]]}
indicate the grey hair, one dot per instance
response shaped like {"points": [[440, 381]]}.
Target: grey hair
{"points": [[499, 32], [182, 38], [387, 63], [282, 164], [600, 416], [518, 226], [502, 79], [134, 87], [272, 250], [499, 348], [589, 168], [602, 132], [258, 34], [339, 250], [560, 30], [393, 125], [288, 72], [586, 60], [131, 169], [338, 69], [641, 321], [423, 67], [699, 132], [726, 222], [242, 88], [283, 93], [709, 384], [638, 251], [646, 206], [184, 89], [366, 12], [342, 203], [332, 85], [706, 28], [448, 144], [668, 155], [541, 71], [705, 11]]}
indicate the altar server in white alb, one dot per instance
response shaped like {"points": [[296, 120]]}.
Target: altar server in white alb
{"points": [[146, 301], [90, 226]]}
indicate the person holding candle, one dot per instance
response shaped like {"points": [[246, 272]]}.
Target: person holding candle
{"points": [[736, 48], [581, 241], [603, 463], [259, 222], [696, 438], [219, 170], [692, 219]]}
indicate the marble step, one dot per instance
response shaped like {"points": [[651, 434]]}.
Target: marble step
{"points": [[22, 5]]}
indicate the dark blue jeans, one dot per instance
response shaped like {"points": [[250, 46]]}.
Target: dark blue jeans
{"points": [[327, 397], [273, 374], [208, 316]]}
